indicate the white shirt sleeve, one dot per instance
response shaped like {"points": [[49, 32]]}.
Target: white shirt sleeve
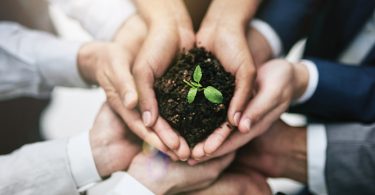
{"points": [[129, 185], [82, 162], [316, 158], [32, 62], [101, 18], [312, 83], [269, 34]]}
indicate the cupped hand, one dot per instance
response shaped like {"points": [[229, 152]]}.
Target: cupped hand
{"points": [[278, 82], [113, 145], [109, 64], [223, 32], [170, 30], [162, 176]]}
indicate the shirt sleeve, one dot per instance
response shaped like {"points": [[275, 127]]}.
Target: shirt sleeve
{"points": [[33, 62], [270, 35], [101, 18], [312, 83], [316, 158], [82, 162]]}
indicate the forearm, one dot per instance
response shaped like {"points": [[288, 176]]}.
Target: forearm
{"points": [[33, 62], [34, 168], [296, 169], [232, 12], [350, 162], [354, 104]]}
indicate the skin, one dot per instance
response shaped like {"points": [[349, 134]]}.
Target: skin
{"points": [[113, 145], [170, 30], [266, 155], [278, 83], [166, 177], [109, 64], [236, 181]]}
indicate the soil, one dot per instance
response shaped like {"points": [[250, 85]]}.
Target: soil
{"points": [[197, 120]]}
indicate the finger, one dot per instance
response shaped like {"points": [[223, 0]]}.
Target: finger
{"points": [[183, 151], [264, 102], [167, 134], [214, 141], [134, 122], [125, 85], [153, 59], [198, 151], [244, 82], [238, 139]]}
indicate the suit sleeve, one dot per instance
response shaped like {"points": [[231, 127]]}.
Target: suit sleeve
{"points": [[287, 18], [41, 168], [343, 93], [350, 165]]}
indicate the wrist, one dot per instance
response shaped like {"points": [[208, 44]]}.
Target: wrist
{"points": [[98, 149], [154, 185], [87, 59], [259, 47], [301, 79], [296, 167]]}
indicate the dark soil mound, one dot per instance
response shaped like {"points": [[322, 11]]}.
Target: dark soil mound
{"points": [[196, 120]]}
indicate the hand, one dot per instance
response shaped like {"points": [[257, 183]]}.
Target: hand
{"points": [[169, 30], [109, 65], [223, 32], [162, 176], [244, 181], [280, 152], [113, 145], [278, 82]]}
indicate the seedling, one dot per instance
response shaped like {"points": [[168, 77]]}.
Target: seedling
{"points": [[211, 93]]}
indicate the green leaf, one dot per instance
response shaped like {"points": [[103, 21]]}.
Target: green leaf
{"points": [[191, 95], [196, 84], [197, 76], [213, 95]]}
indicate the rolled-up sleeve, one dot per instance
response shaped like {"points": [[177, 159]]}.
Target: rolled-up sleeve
{"points": [[33, 62]]}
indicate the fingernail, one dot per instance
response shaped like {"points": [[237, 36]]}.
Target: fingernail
{"points": [[146, 117], [236, 118], [129, 99], [247, 124]]}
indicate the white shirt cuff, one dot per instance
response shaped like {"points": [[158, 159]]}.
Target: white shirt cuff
{"points": [[269, 34], [82, 163], [316, 158], [129, 185], [312, 83], [59, 65]]}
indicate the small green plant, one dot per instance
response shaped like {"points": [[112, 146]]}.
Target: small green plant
{"points": [[211, 93]]}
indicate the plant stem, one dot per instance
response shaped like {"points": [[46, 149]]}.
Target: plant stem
{"points": [[188, 83]]}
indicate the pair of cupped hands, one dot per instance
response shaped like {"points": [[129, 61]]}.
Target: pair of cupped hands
{"points": [[144, 47]]}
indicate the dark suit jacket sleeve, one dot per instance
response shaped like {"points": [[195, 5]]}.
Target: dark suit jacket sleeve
{"points": [[344, 92], [350, 162], [287, 17]]}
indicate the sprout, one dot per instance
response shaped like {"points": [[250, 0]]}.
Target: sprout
{"points": [[211, 93]]}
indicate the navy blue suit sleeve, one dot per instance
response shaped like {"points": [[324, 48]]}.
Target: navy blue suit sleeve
{"points": [[288, 18], [344, 93]]}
